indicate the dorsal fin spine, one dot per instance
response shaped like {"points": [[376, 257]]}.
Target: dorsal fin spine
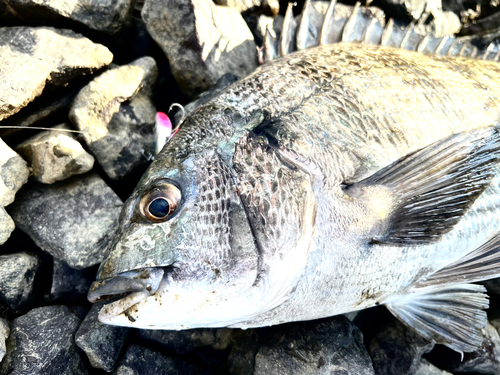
{"points": [[351, 23], [409, 29], [303, 28], [286, 32], [326, 23], [332, 30]]}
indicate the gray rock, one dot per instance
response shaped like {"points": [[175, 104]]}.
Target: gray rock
{"points": [[265, 23], [55, 155], [444, 23], [139, 360], [427, 368], [102, 343], [31, 57], [270, 7], [7, 225], [117, 117], [258, 23], [187, 340], [202, 41], [241, 360], [4, 334], [101, 15], [320, 347], [42, 342], [17, 278], [14, 173], [73, 220], [70, 284], [408, 8], [397, 350], [55, 104]]}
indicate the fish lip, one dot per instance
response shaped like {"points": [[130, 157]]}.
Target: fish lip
{"points": [[145, 280]]}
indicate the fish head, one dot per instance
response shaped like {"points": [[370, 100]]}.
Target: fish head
{"points": [[184, 244]]}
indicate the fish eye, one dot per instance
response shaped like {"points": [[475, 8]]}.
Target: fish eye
{"points": [[159, 208], [160, 202]]}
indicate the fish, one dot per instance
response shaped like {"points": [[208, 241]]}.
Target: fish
{"points": [[330, 180]]}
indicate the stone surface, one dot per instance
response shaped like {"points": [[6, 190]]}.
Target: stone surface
{"points": [[73, 220], [4, 334], [70, 284], [241, 360], [31, 57], [14, 173], [117, 117], [202, 41], [55, 155], [102, 343], [55, 104], [397, 350], [325, 346], [140, 360], [270, 7], [17, 278], [42, 342], [7, 225], [258, 23], [101, 15], [427, 368], [187, 340], [444, 23], [408, 8]]}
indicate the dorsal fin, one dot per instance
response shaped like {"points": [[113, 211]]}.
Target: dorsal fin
{"points": [[361, 24]]}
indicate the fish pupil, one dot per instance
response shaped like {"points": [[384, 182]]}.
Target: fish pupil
{"points": [[159, 208]]}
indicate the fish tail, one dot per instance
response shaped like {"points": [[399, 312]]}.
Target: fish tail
{"points": [[361, 24]]}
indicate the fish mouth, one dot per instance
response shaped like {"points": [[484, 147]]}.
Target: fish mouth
{"points": [[126, 289]]}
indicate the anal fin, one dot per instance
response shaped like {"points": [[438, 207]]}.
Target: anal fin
{"points": [[453, 316], [480, 264]]}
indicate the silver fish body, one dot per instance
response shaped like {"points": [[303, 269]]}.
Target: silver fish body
{"points": [[318, 185]]}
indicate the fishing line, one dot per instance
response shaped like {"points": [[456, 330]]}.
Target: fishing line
{"points": [[38, 128]]}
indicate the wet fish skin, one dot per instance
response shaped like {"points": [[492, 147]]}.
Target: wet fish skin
{"points": [[266, 231]]}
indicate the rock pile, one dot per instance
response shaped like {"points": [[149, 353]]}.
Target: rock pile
{"points": [[103, 69]]}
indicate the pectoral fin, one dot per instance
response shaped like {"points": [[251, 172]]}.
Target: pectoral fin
{"points": [[453, 316], [431, 189]]}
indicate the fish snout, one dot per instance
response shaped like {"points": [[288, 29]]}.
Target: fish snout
{"points": [[144, 280]]}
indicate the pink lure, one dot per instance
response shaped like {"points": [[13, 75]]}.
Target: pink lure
{"points": [[163, 130]]}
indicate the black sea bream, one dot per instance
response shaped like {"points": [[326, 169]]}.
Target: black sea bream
{"points": [[330, 180]]}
